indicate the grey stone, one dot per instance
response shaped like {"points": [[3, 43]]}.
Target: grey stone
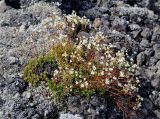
{"points": [[156, 6], [146, 33], [144, 112], [27, 113], [152, 61], [3, 6], [134, 27], [13, 3], [16, 85], [150, 73], [119, 24], [157, 112], [147, 104], [156, 34], [1, 102], [12, 60], [141, 58], [157, 50], [145, 43], [69, 116], [158, 73], [149, 51], [155, 83], [158, 64], [157, 101], [156, 80], [27, 95]]}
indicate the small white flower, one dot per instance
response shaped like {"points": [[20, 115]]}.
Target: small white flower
{"points": [[71, 71], [84, 41], [102, 73], [109, 56], [89, 63], [82, 85], [109, 73], [119, 84], [101, 62], [137, 81], [133, 87], [79, 47], [114, 77], [92, 72], [110, 69], [56, 72], [106, 64], [64, 54], [77, 82], [86, 83], [89, 46], [121, 74], [94, 67], [107, 81], [63, 44], [102, 57]]}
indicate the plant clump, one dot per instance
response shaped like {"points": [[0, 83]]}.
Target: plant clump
{"points": [[86, 66]]}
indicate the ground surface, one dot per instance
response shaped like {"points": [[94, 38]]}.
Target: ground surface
{"points": [[129, 24]]}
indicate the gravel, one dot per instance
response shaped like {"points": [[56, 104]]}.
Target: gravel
{"points": [[129, 24]]}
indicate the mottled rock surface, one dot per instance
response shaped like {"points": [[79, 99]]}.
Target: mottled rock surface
{"points": [[131, 25]]}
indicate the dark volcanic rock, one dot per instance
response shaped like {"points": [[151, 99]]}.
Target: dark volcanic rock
{"points": [[141, 59], [13, 3], [157, 50], [131, 25]]}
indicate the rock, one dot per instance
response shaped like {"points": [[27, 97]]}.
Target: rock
{"points": [[141, 58], [47, 109], [146, 33], [134, 27], [141, 3], [15, 85], [97, 23], [158, 64], [69, 116], [149, 51], [150, 73], [119, 24], [3, 6], [92, 13], [122, 22], [13, 3], [27, 113], [156, 48], [152, 61], [1, 102], [144, 3], [145, 43], [157, 101], [147, 104], [156, 34], [13, 60], [157, 112], [135, 30], [144, 112], [26, 95], [156, 6], [155, 83], [73, 104]]}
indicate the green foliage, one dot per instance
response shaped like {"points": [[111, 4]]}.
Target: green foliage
{"points": [[31, 72]]}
